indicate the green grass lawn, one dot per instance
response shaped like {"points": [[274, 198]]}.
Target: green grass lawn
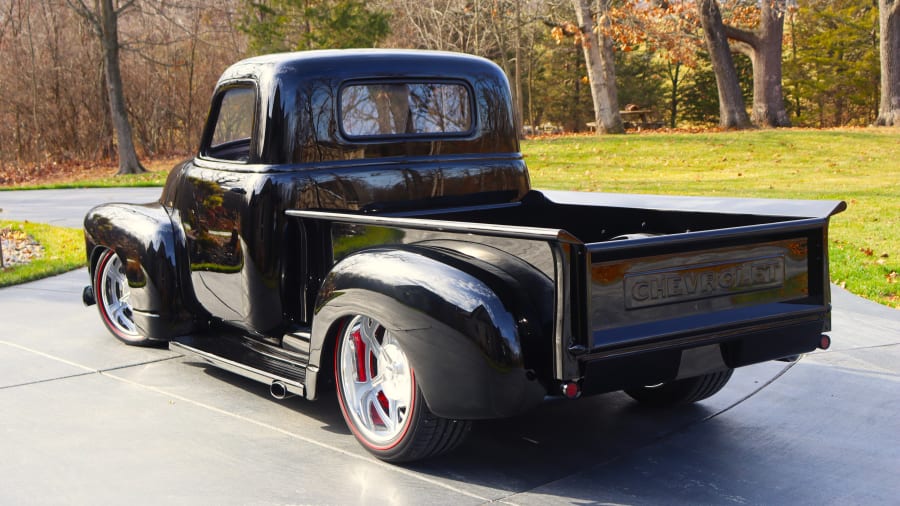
{"points": [[146, 179], [859, 166], [63, 251]]}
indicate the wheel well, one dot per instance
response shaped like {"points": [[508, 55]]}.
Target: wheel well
{"points": [[326, 362], [95, 257]]}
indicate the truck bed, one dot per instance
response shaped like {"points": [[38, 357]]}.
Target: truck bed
{"points": [[638, 275]]}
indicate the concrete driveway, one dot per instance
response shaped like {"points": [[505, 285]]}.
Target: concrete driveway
{"points": [[87, 420], [66, 208]]}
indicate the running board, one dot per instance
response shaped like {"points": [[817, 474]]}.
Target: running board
{"points": [[251, 359]]}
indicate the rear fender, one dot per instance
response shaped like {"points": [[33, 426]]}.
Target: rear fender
{"points": [[149, 245], [463, 338]]}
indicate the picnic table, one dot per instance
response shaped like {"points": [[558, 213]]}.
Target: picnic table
{"points": [[641, 119]]}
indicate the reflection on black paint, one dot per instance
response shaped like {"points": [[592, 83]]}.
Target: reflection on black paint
{"points": [[213, 229]]}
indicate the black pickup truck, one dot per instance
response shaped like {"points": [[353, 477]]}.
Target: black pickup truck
{"points": [[364, 220]]}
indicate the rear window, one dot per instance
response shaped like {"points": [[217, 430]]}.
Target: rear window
{"points": [[405, 109]]}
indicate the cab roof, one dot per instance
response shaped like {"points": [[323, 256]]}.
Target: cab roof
{"points": [[299, 101]]}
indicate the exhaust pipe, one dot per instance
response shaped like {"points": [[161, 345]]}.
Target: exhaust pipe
{"points": [[279, 390], [88, 297]]}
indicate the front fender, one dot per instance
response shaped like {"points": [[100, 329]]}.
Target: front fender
{"points": [[462, 339], [149, 245]]}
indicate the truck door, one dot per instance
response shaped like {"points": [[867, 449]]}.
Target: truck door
{"points": [[209, 205], [213, 205]]}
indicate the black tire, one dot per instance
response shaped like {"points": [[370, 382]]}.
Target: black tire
{"points": [[683, 391], [112, 292], [389, 417]]}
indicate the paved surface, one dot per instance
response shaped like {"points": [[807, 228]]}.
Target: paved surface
{"points": [[66, 208], [87, 420]]}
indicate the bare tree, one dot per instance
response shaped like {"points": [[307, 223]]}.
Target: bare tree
{"points": [[446, 25], [600, 61], [732, 111], [55, 108], [182, 48], [103, 18], [494, 29], [889, 108]]}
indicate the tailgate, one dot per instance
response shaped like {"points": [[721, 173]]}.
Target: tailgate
{"points": [[704, 286]]}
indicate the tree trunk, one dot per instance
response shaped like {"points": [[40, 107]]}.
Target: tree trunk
{"points": [[600, 61], [517, 69], [768, 95], [764, 47], [732, 111], [105, 144], [889, 105], [674, 69], [128, 161]]}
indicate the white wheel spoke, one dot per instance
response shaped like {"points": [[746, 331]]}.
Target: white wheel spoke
{"points": [[389, 420], [362, 392], [366, 413], [394, 416], [119, 310]]}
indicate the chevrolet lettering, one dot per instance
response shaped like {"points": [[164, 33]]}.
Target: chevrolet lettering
{"points": [[697, 282]]}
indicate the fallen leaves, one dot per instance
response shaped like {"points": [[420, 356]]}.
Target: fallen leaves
{"points": [[869, 252], [51, 172], [18, 248]]}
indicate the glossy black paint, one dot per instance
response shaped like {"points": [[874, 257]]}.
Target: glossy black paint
{"points": [[462, 335], [491, 287], [298, 121], [151, 245]]}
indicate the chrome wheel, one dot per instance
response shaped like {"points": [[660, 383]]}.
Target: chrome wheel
{"points": [[112, 292], [376, 382], [380, 397]]}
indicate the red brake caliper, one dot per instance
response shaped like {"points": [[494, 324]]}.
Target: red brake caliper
{"points": [[361, 354]]}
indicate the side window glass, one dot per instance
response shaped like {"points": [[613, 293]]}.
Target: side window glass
{"points": [[234, 125]]}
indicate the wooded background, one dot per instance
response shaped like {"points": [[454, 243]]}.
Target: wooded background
{"points": [[562, 58]]}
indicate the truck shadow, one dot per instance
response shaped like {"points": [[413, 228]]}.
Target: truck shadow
{"points": [[557, 439], [609, 449], [588, 425], [324, 410]]}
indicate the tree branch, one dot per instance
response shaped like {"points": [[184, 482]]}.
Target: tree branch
{"points": [[746, 36], [87, 14], [567, 28], [742, 47], [122, 8], [7, 21]]}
